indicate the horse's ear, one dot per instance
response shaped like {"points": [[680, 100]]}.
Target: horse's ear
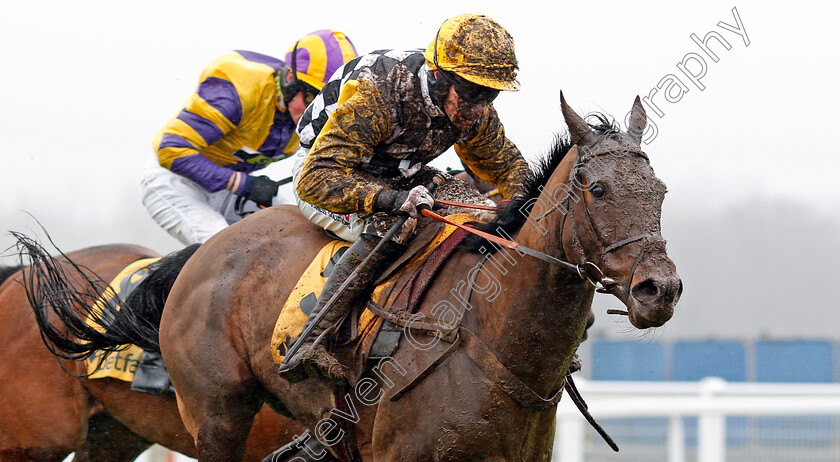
{"points": [[578, 128], [638, 120]]}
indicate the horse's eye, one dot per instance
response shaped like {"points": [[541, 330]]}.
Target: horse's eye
{"points": [[598, 190]]}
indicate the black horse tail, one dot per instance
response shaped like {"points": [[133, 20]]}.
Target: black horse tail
{"points": [[142, 323], [60, 288]]}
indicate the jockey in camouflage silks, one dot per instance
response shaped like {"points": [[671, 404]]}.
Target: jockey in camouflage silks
{"points": [[367, 137]]}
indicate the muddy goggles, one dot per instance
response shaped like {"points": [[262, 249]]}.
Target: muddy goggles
{"points": [[469, 92]]}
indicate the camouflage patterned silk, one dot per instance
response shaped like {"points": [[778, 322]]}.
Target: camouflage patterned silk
{"points": [[376, 120]]}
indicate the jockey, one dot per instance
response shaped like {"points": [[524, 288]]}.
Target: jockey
{"points": [[367, 137], [240, 119]]}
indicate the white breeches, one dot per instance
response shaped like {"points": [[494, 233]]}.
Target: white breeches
{"points": [[189, 212]]}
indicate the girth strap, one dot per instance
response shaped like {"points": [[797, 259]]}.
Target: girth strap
{"points": [[512, 385], [428, 370], [477, 350]]}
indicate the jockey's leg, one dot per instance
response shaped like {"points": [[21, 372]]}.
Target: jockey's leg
{"points": [[182, 207], [313, 358]]}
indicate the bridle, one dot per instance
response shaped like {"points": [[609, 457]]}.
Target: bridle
{"points": [[587, 270], [594, 273]]}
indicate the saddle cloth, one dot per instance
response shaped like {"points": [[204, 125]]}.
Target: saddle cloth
{"points": [[302, 299], [120, 364]]}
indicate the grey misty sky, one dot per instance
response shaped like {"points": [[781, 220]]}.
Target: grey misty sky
{"points": [[86, 85]]}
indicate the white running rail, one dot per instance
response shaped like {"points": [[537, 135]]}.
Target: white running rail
{"points": [[711, 400]]}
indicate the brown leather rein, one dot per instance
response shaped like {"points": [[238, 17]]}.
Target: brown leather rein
{"points": [[458, 335]]}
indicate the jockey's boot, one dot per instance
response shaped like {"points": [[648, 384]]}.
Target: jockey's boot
{"points": [[312, 359]]}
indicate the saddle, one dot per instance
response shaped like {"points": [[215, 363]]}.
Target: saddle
{"points": [[400, 285], [374, 332]]}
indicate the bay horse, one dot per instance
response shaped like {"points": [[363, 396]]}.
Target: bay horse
{"points": [[46, 414], [218, 320], [482, 380]]}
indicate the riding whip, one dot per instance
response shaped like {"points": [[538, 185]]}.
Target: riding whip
{"points": [[437, 180]]}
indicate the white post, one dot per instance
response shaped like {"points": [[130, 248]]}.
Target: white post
{"points": [[568, 442], [676, 439], [711, 432]]}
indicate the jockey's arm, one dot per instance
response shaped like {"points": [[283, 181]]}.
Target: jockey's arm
{"points": [[189, 142], [180, 143], [330, 177], [494, 158]]}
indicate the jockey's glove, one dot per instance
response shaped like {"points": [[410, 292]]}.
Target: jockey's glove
{"points": [[261, 190], [402, 202]]}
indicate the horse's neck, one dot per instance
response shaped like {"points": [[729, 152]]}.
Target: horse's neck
{"points": [[535, 323]]}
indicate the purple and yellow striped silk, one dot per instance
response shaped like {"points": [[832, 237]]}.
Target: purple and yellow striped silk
{"points": [[319, 55], [230, 126]]}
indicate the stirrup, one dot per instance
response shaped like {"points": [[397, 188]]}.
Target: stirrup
{"points": [[312, 362], [299, 367]]}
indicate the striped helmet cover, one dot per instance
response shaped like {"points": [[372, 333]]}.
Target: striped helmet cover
{"points": [[318, 55]]}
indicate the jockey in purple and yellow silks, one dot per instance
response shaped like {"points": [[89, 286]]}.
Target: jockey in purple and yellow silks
{"points": [[240, 119], [366, 140]]}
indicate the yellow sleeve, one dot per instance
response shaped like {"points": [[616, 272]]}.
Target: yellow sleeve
{"points": [[330, 178], [494, 158]]}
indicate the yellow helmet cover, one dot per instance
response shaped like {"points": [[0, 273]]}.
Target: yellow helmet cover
{"points": [[476, 48], [316, 56]]}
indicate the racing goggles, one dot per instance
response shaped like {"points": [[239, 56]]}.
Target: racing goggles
{"points": [[290, 89], [470, 93]]}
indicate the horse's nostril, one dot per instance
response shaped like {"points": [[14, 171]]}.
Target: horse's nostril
{"points": [[646, 289]]}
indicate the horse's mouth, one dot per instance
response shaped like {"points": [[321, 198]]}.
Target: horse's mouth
{"points": [[652, 307], [651, 303], [640, 322]]}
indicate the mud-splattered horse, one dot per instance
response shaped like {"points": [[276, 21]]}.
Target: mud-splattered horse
{"points": [[490, 387], [599, 202]]}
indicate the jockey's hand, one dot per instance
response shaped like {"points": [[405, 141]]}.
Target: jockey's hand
{"points": [[402, 202], [418, 196], [262, 190]]}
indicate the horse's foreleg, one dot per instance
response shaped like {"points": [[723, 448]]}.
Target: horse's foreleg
{"points": [[109, 440]]}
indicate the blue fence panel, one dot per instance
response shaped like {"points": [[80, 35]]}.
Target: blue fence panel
{"points": [[615, 360], [695, 360], [795, 361]]}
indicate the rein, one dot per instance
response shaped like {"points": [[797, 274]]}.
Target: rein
{"points": [[477, 350], [586, 270], [459, 336]]}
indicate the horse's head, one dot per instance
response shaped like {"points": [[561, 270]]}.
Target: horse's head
{"points": [[613, 203]]}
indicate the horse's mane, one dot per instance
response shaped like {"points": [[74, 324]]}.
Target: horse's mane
{"points": [[7, 271], [514, 214]]}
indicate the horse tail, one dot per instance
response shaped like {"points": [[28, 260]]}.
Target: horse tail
{"points": [[65, 298], [142, 324]]}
